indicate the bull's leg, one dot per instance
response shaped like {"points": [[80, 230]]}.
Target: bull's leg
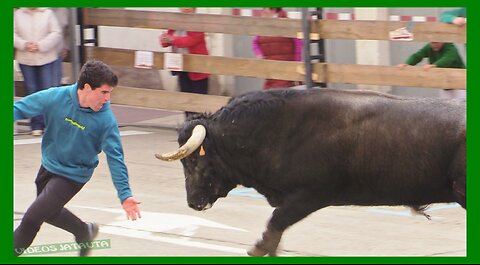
{"points": [[284, 216], [268, 244]]}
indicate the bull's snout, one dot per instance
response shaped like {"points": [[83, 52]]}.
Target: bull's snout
{"points": [[199, 207], [193, 206]]}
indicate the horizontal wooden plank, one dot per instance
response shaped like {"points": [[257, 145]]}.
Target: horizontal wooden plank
{"points": [[379, 30], [194, 22], [160, 99], [412, 76], [335, 73], [238, 25], [207, 64]]}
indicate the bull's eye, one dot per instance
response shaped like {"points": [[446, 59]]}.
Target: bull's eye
{"points": [[210, 184]]}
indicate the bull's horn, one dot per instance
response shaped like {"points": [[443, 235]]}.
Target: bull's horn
{"points": [[195, 140]]}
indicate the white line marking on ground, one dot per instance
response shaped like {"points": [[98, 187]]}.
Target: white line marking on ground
{"points": [[408, 213], [27, 141], [154, 222], [148, 236], [39, 139], [128, 133], [246, 192]]}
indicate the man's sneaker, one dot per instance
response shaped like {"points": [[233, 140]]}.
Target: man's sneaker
{"points": [[85, 241], [37, 133]]}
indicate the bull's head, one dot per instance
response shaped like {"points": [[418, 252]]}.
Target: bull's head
{"points": [[203, 184]]}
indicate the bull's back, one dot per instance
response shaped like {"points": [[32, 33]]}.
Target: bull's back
{"points": [[392, 148]]}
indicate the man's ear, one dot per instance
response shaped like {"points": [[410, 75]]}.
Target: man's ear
{"points": [[87, 86]]}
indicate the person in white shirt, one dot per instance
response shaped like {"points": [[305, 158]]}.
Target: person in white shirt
{"points": [[36, 36]]}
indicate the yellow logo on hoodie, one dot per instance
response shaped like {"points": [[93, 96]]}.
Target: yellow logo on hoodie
{"points": [[81, 127]]}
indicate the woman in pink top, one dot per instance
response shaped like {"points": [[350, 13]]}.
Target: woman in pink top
{"points": [[277, 48]]}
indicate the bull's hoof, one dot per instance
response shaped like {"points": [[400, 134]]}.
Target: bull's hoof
{"points": [[257, 252]]}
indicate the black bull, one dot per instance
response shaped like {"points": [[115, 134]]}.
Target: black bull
{"points": [[305, 150]]}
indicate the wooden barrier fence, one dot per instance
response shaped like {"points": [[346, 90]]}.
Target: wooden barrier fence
{"points": [[324, 72], [331, 73], [327, 29]]}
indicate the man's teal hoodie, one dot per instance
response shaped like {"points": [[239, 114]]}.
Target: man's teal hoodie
{"points": [[74, 136]]}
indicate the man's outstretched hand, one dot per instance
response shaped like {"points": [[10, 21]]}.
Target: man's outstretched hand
{"points": [[130, 205]]}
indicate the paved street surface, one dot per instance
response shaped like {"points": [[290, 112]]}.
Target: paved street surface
{"points": [[170, 228]]}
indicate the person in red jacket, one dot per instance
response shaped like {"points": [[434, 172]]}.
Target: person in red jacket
{"points": [[277, 48], [194, 43]]}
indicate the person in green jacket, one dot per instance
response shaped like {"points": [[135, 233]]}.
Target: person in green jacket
{"points": [[439, 54], [455, 16]]}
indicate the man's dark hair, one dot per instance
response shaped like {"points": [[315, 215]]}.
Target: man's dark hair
{"points": [[96, 73]]}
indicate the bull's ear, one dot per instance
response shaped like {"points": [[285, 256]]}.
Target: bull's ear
{"points": [[202, 151]]}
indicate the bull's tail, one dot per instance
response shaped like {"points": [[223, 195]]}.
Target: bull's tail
{"points": [[460, 193], [420, 210], [458, 173]]}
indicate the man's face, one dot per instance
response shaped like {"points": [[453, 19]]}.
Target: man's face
{"points": [[436, 46], [96, 98]]}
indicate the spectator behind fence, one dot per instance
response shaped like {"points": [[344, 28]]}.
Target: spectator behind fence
{"points": [[455, 16], [36, 36], [194, 42], [439, 54], [80, 125], [277, 48], [63, 46]]}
